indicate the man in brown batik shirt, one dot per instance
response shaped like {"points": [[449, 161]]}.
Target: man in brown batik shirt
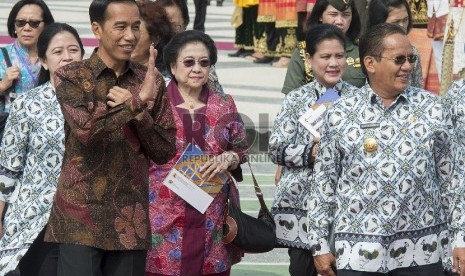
{"points": [[118, 118]]}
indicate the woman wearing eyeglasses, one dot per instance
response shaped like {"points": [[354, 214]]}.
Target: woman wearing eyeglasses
{"points": [[30, 160], [184, 240], [26, 21], [396, 12]]}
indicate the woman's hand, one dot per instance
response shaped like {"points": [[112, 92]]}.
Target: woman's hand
{"points": [[11, 74], [218, 164], [316, 142]]}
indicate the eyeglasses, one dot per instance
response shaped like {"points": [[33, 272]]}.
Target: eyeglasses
{"points": [[190, 62], [399, 60], [33, 23]]}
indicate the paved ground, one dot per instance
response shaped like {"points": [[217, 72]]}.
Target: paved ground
{"points": [[255, 88]]}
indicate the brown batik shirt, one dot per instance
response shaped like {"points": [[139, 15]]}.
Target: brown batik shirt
{"points": [[102, 195]]}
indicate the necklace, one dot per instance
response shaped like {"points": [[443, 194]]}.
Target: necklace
{"points": [[188, 99], [191, 104]]}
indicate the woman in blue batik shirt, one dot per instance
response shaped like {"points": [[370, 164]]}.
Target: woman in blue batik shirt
{"points": [[26, 21], [30, 160], [294, 147]]}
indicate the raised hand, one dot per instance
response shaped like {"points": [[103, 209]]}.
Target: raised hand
{"points": [[151, 85]]}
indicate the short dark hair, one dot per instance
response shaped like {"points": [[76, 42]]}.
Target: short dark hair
{"points": [[372, 42], [181, 4], [44, 42], [181, 39], [158, 26], [46, 14], [98, 9], [321, 32], [320, 7], [378, 12]]}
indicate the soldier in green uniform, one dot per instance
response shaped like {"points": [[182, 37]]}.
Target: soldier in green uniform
{"points": [[343, 14]]}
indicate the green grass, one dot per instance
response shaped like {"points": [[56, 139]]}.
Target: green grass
{"points": [[259, 270], [261, 179], [253, 205]]}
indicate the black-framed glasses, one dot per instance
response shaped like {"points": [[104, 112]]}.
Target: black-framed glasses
{"points": [[190, 62], [399, 60], [33, 23]]}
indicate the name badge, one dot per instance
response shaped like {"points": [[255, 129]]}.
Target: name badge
{"points": [[370, 125]]}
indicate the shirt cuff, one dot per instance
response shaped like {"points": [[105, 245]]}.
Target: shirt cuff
{"points": [[319, 247], [458, 239]]}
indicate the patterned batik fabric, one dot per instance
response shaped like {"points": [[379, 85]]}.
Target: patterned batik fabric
{"points": [[224, 131], [454, 101], [290, 146], [390, 206], [31, 157], [102, 194], [19, 56]]}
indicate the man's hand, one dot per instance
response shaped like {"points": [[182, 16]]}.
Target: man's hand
{"points": [[117, 95], [151, 86], [11, 74], [458, 260], [324, 264]]}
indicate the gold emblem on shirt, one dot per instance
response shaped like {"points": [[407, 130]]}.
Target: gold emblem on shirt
{"points": [[353, 62], [370, 145]]}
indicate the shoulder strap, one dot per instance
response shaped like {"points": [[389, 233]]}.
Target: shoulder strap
{"points": [[258, 191], [7, 57]]}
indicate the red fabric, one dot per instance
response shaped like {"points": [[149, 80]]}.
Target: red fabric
{"points": [[178, 233]]}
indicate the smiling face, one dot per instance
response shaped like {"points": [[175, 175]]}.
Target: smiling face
{"points": [[328, 62], [191, 78], [387, 78], [398, 16], [62, 49], [333, 16], [118, 34], [27, 35]]}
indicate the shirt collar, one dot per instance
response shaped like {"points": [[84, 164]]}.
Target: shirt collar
{"points": [[98, 66], [172, 92], [320, 89], [373, 98]]}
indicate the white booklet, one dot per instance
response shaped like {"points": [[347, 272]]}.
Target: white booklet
{"points": [[186, 181], [312, 120]]}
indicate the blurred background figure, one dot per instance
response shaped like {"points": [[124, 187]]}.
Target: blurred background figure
{"points": [[437, 20], [156, 29], [27, 19]]}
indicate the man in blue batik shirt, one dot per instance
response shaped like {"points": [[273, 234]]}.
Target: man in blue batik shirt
{"points": [[386, 174]]}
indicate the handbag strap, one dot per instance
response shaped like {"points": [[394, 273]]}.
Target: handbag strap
{"points": [[258, 191], [7, 57]]}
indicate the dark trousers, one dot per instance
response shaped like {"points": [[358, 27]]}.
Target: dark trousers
{"points": [[424, 270], [272, 38], [79, 260], [39, 260], [301, 262], [200, 15]]}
